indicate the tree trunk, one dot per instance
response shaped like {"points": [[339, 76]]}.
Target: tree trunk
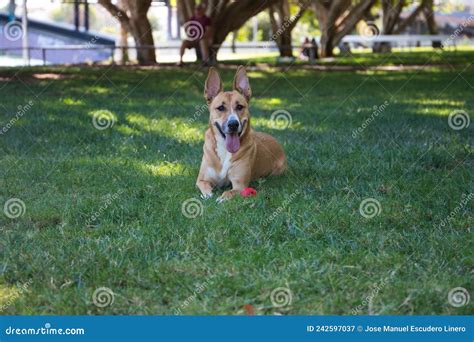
{"points": [[133, 16], [338, 18], [285, 47], [428, 12], [401, 25], [326, 45], [283, 23], [141, 30], [279, 17], [322, 11], [391, 10], [394, 24], [124, 44], [382, 47], [226, 16], [123, 38]]}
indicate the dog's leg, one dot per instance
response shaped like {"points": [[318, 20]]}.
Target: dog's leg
{"points": [[239, 183], [205, 187]]}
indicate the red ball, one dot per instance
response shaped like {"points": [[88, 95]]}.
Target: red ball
{"points": [[248, 192]]}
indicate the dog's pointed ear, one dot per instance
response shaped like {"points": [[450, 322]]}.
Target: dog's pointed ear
{"points": [[213, 85], [241, 82]]}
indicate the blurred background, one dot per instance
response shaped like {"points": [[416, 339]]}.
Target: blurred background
{"points": [[47, 32]]}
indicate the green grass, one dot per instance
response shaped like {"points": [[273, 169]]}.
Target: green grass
{"points": [[134, 177], [364, 59]]}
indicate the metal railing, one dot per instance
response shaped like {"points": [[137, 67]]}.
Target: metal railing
{"points": [[397, 40]]}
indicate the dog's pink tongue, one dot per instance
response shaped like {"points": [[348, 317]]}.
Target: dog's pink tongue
{"points": [[232, 142]]}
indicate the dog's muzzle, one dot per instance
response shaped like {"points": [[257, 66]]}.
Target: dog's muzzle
{"points": [[231, 130], [232, 125], [223, 132]]}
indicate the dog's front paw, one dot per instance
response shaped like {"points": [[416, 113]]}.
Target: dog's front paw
{"points": [[226, 195], [206, 196]]}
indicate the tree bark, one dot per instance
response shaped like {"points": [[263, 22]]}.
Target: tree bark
{"points": [[401, 25], [338, 18], [394, 24], [123, 39], [133, 17], [283, 23], [428, 12], [227, 16], [390, 17]]}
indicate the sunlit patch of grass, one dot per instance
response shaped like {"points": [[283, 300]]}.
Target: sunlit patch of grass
{"points": [[126, 130], [9, 294], [436, 102], [96, 89], [437, 107], [72, 102], [166, 169], [268, 102], [256, 74], [176, 128]]}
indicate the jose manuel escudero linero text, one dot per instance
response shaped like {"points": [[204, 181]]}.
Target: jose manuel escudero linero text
{"points": [[415, 328]]}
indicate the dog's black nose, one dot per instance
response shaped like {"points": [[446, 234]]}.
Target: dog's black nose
{"points": [[233, 125]]}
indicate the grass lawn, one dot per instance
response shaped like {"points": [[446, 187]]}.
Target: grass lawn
{"points": [[103, 208], [417, 56]]}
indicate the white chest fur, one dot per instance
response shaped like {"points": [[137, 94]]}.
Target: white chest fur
{"points": [[224, 157]]}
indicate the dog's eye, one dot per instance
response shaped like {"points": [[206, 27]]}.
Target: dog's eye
{"points": [[221, 108], [239, 107]]}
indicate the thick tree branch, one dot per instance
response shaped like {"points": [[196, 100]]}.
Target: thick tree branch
{"points": [[117, 13], [402, 25], [304, 6], [350, 21]]}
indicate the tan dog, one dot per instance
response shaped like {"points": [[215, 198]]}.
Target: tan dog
{"points": [[233, 152]]}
